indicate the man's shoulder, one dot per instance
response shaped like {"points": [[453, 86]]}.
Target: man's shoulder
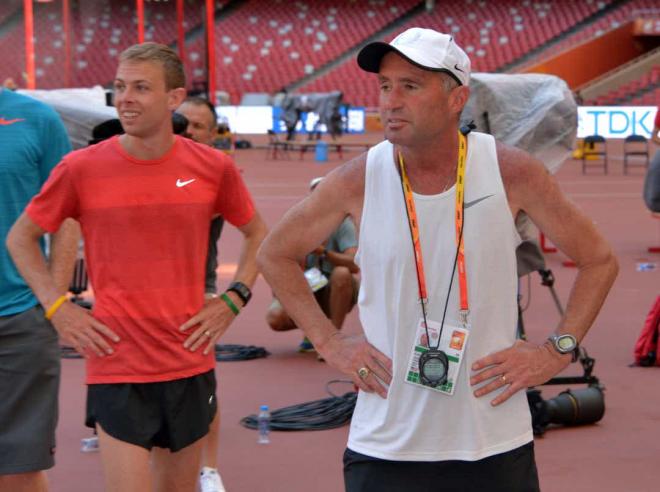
{"points": [[30, 106], [95, 154], [525, 178], [516, 165], [351, 174], [197, 151]]}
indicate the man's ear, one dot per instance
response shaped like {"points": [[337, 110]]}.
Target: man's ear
{"points": [[458, 98], [176, 97]]}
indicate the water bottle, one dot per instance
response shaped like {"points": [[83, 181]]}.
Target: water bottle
{"points": [[89, 444], [263, 425]]}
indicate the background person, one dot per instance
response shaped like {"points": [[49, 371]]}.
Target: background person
{"points": [[202, 126], [32, 142], [334, 259], [417, 231], [144, 207]]}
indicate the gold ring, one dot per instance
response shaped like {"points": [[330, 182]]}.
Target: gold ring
{"points": [[363, 372], [207, 333], [503, 378]]}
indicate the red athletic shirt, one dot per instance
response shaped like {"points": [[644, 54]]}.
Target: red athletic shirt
{"points": [[146, 226]]}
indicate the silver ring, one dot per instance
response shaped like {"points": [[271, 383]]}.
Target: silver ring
{"points": [[503, 378], [363, 372]]}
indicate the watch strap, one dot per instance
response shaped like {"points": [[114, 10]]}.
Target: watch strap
{"points": [[242, 291]]}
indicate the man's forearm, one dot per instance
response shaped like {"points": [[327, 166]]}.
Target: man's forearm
{"points": [[292, 290], [247, 269], [63, 252], [23, 246], [589, 291]]}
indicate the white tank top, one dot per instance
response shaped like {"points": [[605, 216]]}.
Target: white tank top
{"points": [[413, 423]]}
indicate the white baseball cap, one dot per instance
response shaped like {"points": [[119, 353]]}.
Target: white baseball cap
{"points": [[425, 48]]}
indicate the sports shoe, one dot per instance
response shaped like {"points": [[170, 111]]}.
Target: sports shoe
{"points": [[210, 481], [306, 346]]}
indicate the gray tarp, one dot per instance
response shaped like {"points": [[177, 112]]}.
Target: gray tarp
{"points": [[534, 112], [80, 109]]}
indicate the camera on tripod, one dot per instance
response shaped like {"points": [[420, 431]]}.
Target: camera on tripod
{"points": [[573, 406]]}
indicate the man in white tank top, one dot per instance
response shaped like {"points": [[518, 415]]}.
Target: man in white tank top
{"points": [[442, 402]]}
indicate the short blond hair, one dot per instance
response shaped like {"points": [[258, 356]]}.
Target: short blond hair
{"points": [[175, 76]]}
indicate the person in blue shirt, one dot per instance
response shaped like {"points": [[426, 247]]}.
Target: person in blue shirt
{"points": [[32, 141]]}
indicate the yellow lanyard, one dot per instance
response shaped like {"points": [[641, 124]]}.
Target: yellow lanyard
{"points": [[414, 229]]}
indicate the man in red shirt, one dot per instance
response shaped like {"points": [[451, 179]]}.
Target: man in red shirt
{"points": [[144, 201]]}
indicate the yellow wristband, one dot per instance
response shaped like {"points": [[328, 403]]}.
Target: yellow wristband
{"points": [[56, 305]]}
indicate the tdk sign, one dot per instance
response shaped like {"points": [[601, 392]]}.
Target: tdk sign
{"points": [[615, 121]]}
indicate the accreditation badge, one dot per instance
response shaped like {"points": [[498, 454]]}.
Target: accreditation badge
{"points": [[453, 343]]}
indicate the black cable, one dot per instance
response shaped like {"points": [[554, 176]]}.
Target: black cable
{"points": [[239, 352], [327, 413], [334, 381]]}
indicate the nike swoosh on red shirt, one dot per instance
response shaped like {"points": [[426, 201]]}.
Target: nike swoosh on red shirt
{"points": [[10, 122]]}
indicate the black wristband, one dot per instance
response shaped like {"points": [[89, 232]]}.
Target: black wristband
{"points": [[242, 291]]}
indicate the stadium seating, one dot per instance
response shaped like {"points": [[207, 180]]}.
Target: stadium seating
{"points": [[100, 30], [493, 33], [8, 8], [623, 13], [265, 45], [649, 98], [627, 92]]}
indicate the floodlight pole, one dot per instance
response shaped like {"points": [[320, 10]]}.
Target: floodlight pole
{"points": [[29, 43], [180, 31], [140, 16], [210, 50]]}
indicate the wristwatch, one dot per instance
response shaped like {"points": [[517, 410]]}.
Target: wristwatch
{"points": [[566, 344], [242, 291]]}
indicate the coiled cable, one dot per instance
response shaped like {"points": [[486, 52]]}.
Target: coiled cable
{"points": [[239, 352], [327, 413]]}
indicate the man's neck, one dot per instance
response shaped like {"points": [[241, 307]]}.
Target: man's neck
{"points": [[149, 148], [431, 168]]}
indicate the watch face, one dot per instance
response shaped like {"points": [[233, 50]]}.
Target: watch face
{"points": [[433, 367], [566, 343]]}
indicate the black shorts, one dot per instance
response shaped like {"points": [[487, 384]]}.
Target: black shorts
{"points": [[170, 414], [29, 383], [513, 471]]}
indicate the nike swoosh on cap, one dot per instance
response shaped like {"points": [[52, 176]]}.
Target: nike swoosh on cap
{"points": [[474, 202], [5, 122], [456, 68]]}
